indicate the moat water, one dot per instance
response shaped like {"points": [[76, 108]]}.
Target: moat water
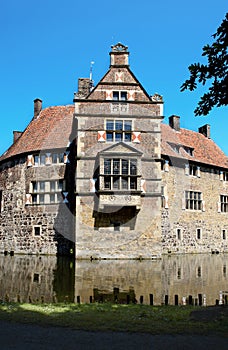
{"points": [[169, 280]]}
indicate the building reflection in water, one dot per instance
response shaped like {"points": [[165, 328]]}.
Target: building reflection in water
{"points": [[52, 279]]}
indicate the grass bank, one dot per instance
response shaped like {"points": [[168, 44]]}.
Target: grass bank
{"points": [[115, 317]]}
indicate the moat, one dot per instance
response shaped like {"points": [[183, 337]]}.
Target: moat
{"points": [[59, 279]]}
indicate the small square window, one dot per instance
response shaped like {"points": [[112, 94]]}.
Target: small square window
{"points": [[37, 230], [36, 277]]}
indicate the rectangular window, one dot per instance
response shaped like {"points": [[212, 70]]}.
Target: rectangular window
{"points": [[120, 174], [119, 95], [193, 200], [178, 233], [42, 159], [225, 176], [42, 186], [47, 192], [118, 130], [198, 233], [192, 170], [224, 203], [36, 230], [223, 234]]}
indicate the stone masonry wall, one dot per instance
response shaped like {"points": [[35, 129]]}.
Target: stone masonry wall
{"points": [[208, 220]]}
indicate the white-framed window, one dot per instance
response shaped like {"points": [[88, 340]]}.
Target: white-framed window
{"points": [[47, 159], [224, 203], [47, 192], [193, 200], [119, 174], [118, 130], [119, 95]]}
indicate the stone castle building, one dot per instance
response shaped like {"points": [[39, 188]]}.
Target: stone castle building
{"points": [[106, 178]]}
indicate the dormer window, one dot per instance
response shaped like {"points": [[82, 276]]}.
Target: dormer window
{"points": [[175, 147], [119, 95], [189, 150]]}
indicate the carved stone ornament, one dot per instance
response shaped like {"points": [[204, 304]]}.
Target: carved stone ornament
{"points": [[157, 98], [119, 48]]}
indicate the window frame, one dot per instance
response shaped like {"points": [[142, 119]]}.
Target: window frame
{"points": [[119, 95], [224, 203], [191, 202], [124, 178], [115, 133]]}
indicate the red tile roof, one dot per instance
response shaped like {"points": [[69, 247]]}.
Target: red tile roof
{"points": [[204, 149], [51, 129]]}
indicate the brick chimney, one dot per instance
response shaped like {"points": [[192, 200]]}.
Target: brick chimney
{"points": [[174, 122], [205, 130], [16, 135], [119, 55], [37, 107]]}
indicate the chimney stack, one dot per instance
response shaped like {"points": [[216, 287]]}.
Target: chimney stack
{"points": [[37, 107], [205, 130], [174, 122]]}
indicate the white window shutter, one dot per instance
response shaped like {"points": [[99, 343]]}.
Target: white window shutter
{"points": [[65, 194], [119, 77], [143, 186], [28, 199], [136, 136], [166, 166], [203, 206], [198, 171], [166, 202], [66, 158], [92, 185], [221, 176], [30, 160], [219, 207], [101, 136], [108, 94], [186, 170], [131, 95]]}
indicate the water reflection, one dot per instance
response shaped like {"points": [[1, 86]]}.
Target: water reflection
{"points": [[48, 279]]}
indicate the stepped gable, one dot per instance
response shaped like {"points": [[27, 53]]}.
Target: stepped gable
{"points": [[204, 149], [50, 130]]}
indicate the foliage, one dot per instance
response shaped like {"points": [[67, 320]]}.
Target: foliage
{"points": [[215, 72], [115, 317]]}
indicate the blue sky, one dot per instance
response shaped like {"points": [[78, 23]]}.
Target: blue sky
{"points": [[47, 45]]}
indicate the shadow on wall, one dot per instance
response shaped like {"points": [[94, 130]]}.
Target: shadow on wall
{"points": [[64, 224]]}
